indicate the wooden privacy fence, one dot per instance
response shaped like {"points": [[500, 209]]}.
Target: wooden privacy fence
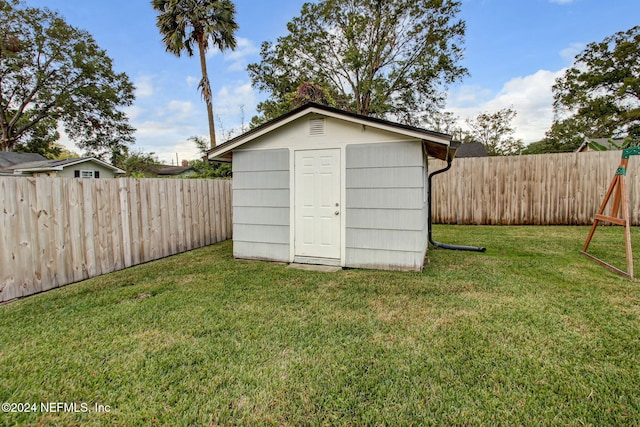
{"points": [[544, 189], [56, 231]]}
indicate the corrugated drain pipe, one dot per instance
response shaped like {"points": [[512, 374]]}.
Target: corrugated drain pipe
{"points": [[444, 245]]}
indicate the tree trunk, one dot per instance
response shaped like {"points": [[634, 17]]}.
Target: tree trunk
{"points": [[206, 92]]}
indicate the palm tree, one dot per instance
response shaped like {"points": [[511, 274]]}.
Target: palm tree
{"points": [[185, 24]]}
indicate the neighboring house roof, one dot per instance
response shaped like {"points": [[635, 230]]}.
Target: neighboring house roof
{"points": [[10, 158], [173, 170], [605, 142], [437, 143], [58, 165], [471, 149]]}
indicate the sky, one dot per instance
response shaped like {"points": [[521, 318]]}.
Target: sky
{"points": [[514, 50]]}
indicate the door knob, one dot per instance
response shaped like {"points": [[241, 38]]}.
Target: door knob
{"points": [[337, 212]]}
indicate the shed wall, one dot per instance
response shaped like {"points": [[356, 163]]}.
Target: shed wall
{"points": [[261, 204], [386, 206]]}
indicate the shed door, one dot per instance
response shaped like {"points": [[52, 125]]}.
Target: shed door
{"points": [[317, 203]]}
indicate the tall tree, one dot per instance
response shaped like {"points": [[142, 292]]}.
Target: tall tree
{"points": [[495, 131], [138, 164], [309, 92], [599, 96], [52, 74], [372, 57], [189, 24], [445, 122]]}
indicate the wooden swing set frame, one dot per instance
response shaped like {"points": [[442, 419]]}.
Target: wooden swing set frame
{"points": [[619, 213]]}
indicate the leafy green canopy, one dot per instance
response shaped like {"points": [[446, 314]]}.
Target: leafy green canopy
{"points": [[205, 168], [52, 73], [372, 57], [189, 24], [599, 97], [495, 131]]}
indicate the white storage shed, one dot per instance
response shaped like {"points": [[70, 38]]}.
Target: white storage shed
{"points": [[324, 186]]}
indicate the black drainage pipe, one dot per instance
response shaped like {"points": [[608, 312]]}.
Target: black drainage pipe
{"points": [[445, 245]]}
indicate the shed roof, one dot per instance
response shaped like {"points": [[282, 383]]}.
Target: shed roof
{"points": [[438, 144]]}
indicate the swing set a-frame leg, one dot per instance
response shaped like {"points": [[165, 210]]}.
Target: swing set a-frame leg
{"points": [[619, 216]]}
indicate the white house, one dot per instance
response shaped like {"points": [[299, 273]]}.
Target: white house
{"points": [[325, 186], [83, 167]]}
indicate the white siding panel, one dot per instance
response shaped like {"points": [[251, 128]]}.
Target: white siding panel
{"points": [[261, 198], [386, 177], [385, 206], [265, 251], [260, 180], [385, 198], [386, 260], [396, 154], [261, 160], [390, 240], [261, 233], [387, 219], [261, 215], [261, 204]]}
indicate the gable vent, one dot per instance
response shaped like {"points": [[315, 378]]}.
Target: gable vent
{"points": [[316, 126]]}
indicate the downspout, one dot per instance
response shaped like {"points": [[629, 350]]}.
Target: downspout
{"points": [[438, 244]]}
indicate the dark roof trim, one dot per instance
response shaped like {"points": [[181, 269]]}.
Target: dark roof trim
{"points": [[173, 170], [222, 149]]}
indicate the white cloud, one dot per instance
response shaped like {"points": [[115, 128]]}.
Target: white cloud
{"points": [[65, 141], [182, 109], [234, 106], [244, 48], [165, 139], [133, 112], [164, 128], [232, 97], [569, 53], [174, 111], [530, 96], [144, 86], [192, 81], [239, 57], [469, 96], [187, 150]]}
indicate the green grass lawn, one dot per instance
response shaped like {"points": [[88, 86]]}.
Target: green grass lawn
{"points": [[528, 333]]}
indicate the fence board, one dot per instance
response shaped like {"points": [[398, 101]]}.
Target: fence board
{"points": [[57, 231], [547, 189], [218, 212], [224, 211], [229, 208], [134, 190], [8, 237], [46, 238], [24, 253]]}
